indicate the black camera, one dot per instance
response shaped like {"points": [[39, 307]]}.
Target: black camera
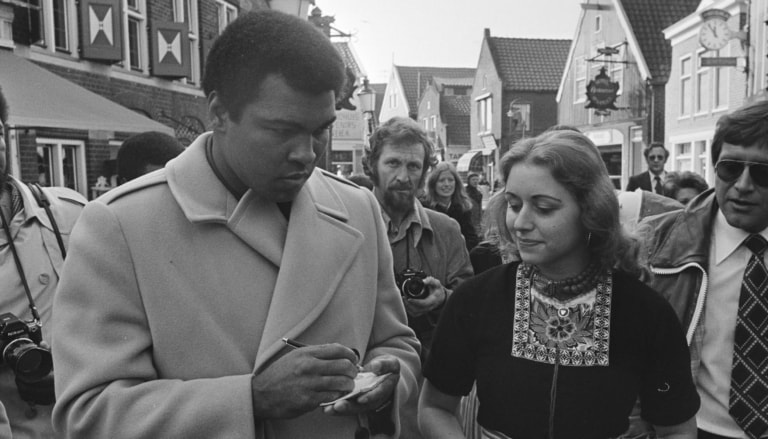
{"points": [[411, 284], [21, 350]]}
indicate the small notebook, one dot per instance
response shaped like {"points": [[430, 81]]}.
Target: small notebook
{"points": [[364, 382]]}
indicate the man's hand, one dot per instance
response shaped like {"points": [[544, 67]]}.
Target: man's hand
{"points": [[375, 398], [302, 379], [436, 298]]}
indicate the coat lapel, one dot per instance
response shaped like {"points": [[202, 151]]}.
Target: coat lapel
{"points": [[319, 248]]}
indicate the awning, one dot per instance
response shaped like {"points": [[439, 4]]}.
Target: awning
{"points": [[39, 98], [466, 159]]}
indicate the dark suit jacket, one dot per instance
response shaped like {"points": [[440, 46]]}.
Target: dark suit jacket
{"points": [[641, 180]]}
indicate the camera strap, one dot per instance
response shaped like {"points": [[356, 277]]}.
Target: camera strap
{"points": [[42, 201], [408, 249], [19, 268]]}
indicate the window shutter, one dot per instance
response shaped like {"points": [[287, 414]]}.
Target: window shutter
{"points": [[101, 30], [170, 49]]}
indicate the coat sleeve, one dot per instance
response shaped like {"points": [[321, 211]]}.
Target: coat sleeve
{"points": [[106, 383], [391, 334]]}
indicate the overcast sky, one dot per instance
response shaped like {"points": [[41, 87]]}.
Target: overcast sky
{"points": [[442, 33]]}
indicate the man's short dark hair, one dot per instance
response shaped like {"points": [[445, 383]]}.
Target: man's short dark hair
{"points": [[149, 148], [265, 42], [397, 131], [3, 108], [647, 151], [747, 126]]}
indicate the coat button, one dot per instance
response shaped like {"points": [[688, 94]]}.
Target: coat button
{"points": [[44, 278]]}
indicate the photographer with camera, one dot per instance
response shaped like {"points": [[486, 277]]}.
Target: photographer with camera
{"points": [[430, 258], [35, 224]]}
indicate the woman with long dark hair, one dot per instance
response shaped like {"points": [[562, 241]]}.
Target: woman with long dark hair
{"points": [[447, 195]]}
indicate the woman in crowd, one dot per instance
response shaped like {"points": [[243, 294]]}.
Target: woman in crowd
{"points": [[562, 343], [446, 194], [684, 186]]}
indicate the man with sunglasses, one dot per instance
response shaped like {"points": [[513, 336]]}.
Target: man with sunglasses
{"points": [[651, 180], [709, 260]]}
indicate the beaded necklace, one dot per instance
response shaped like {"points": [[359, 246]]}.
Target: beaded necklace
{"points": [[569, 288]]}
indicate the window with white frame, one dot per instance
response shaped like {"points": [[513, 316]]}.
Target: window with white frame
{"points": [[60, 20], [598, 23], [703, 86], [61, 163], [720, 83], [135, 34], [580, 80], [683, 157], [426, 124], [685, 86], [434, 123], [185, 11], [702, 165], [226, 14], [6, 28], [485, 114]]}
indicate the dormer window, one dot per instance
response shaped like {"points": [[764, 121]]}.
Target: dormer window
{"points": [[598, 23], [6, 25]]}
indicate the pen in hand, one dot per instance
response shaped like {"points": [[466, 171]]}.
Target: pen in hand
{"points": [[296, 345]]}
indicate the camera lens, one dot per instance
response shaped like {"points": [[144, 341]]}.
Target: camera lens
{"points": [[414, 288], [27, 359]]}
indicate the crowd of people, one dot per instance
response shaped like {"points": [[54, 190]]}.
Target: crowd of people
{"points": [[231, 289]]}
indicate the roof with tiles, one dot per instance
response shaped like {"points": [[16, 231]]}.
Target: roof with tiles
{"points": [[648, 18], [527, 64], [454, 82], [414, 79], [380, 89], [455, 111]]}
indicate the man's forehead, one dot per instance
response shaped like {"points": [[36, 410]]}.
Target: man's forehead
{"points": [[414, 149], [757, 152], [657, 148]]}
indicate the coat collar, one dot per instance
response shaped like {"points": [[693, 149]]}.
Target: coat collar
{"points": [[312, 251], [688, 238]]}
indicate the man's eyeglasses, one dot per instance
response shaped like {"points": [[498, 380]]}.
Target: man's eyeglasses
{"points": [[730, 170], [656, 158]]}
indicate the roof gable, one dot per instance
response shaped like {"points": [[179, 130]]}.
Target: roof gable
{"points": [[529, 64], [414, 79], [647, 19]]}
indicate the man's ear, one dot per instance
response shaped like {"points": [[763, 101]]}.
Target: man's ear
{"points": [[217, 113]]}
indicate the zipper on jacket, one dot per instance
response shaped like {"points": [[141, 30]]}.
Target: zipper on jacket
{"points": [[699, 308]]}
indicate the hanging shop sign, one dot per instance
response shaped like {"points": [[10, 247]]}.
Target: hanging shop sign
{"points": [[602, 92]]}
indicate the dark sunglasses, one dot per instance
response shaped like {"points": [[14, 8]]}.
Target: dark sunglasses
{"points": [[656, 157], [730, 170]]}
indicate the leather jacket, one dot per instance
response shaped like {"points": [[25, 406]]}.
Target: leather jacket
{"points": [[674, 261]]}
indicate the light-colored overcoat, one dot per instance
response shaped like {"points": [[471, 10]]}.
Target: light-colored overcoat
{"points": [[175, 292]]}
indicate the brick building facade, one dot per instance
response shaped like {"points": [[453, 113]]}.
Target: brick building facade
{"points": [[121, 67]]}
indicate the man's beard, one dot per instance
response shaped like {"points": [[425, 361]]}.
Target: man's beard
{"points": [[397, 201]]}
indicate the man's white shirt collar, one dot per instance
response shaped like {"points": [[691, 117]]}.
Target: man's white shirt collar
{"points": [[729, 238]]}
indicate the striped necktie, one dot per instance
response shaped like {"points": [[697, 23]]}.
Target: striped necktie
{"points": [[749, 377]]}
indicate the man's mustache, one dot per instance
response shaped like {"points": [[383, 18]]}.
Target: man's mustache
{"points": [[400, 187]]}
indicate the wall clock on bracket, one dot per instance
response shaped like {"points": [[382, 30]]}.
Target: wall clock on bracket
{"points": [[714, 33]]}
